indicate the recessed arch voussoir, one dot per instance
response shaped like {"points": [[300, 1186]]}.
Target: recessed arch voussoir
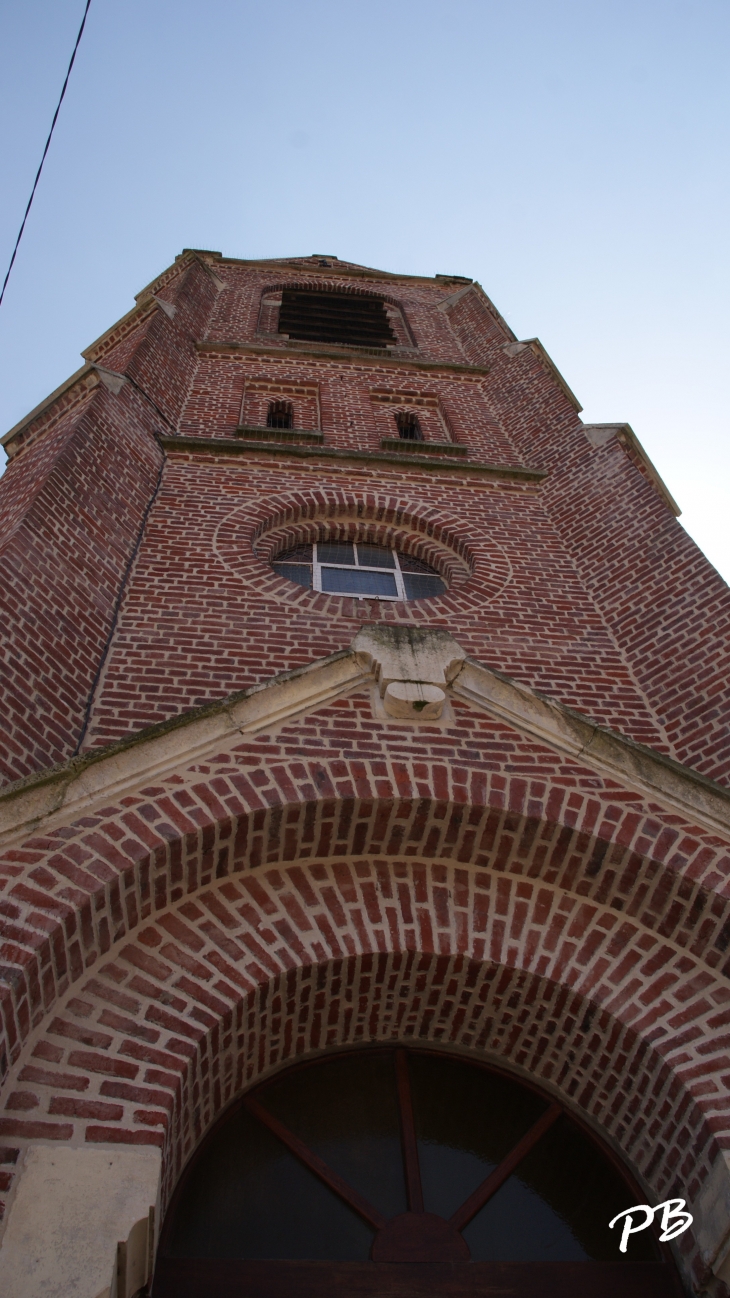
{"points": [[260, 968], [70, 894]]}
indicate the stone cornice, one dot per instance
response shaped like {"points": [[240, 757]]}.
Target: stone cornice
{"points": [[146, 302], [600, 434], [534, 344], [434, 464], [344, 269], [372, 358], [62, 794], [120, 329]]}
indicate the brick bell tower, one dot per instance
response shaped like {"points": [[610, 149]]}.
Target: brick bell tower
{"points": [[365, 816]]}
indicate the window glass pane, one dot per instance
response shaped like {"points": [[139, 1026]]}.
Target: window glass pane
{"points": [[467, 1120], [335, 552], [420, 586], [297, 572], [298, 554], [358, 581], [410, 564], [557, 1206], [375, 556], [346, 1111], [248, 1197]]}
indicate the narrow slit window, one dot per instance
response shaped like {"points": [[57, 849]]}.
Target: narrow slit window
{"points": [[409, 427], [280, 415]]}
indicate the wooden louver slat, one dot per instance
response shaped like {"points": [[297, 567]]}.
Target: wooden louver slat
{"points": [[335, 317]]}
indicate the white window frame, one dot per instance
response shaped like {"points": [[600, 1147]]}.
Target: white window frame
{"points": [[350, 567]]}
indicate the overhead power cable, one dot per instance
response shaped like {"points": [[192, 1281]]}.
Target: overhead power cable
{"points": [[45, 151]]}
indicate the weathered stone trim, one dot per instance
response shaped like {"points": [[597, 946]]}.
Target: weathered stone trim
{"points": [[249, 433], [86, 375], [66, 791], [514, 349], [227, 446], [121, 330], [660, 778], [429, 448], [600, 434], [292, 350]]}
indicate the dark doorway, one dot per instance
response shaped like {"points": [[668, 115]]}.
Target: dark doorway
{"points": [[403, 1172]]}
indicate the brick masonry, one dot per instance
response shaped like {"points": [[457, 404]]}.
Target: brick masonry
{"points": [[601, 579], [344, 878], [461, 848]]}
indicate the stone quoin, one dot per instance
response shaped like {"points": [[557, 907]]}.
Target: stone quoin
{"points": [[359, 703]]}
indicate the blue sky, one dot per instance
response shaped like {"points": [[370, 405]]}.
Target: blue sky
{"points": [[571, 155]]}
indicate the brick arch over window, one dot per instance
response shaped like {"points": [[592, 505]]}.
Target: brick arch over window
{"points": [[270, 966], [473, 564]]}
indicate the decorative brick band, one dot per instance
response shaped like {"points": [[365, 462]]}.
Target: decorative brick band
{"points": [[249, 536]]}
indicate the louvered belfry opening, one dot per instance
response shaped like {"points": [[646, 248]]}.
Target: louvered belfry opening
{"points": [[409, 427], [280, 415], [349, 318]]}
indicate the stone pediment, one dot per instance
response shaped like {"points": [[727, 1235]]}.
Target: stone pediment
{"points": [[414, 672]]}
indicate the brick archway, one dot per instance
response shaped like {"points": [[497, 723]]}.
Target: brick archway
{"points": [[72, 892], [259, 969], [569, 883]]}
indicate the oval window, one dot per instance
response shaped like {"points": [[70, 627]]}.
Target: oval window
{"points": [[404, 1172], [361, 570]]}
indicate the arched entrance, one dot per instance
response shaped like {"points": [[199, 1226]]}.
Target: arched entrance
{"points": [[393, 1171]]}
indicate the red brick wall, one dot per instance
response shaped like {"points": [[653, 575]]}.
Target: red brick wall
{"points": [[463, 842], [72, 503], [607, 604], [78, 496], [159, 1039], [344, 878], [663, 602], [260, 393], [204, 616]]}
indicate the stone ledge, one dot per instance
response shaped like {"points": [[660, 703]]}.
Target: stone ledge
{"points": [[228, 446], [344, 269], [250, 433], [290, 351], [70, 1207], [514, 349], [656, 777], [62, 792], [429, 448], [87, 374]]}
